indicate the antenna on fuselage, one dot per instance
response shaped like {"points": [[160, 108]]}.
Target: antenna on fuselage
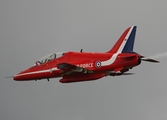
{"points": [[81, 50]]}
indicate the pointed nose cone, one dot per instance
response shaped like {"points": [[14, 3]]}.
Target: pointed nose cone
{"points": [[17, 77], [22, 76]]}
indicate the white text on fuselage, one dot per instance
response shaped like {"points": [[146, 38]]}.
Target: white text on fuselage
{"points": [[86, 65]]}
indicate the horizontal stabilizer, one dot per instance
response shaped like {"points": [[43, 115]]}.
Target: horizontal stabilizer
{"points": [[118, 74], [149, 59], [127, 73]]}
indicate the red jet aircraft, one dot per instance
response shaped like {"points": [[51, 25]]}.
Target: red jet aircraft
{"points": [[87, 66]]}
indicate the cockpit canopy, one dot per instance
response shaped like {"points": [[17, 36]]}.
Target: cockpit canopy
{"points": [[50, 57]]}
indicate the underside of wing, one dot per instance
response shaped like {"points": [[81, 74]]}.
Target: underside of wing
{"points": [[68, 69]]}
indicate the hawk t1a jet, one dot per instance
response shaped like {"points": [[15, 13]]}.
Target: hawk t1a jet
{"points": [[86, 66]]}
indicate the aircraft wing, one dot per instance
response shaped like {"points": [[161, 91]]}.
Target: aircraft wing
{"points": [[68, 68]]}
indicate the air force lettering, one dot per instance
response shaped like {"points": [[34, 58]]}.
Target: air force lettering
{"points": [[86, 65]]}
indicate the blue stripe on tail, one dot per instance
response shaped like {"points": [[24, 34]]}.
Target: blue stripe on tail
{"points": [[130, 42]]}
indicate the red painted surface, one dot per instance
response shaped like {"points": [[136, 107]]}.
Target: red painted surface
{"points": [[86, 66]]}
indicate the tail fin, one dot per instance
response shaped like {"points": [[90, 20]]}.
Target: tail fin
{"points": [[125, 42]]}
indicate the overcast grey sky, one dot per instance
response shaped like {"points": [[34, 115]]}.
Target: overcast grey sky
{"points": [[30, 29]]}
